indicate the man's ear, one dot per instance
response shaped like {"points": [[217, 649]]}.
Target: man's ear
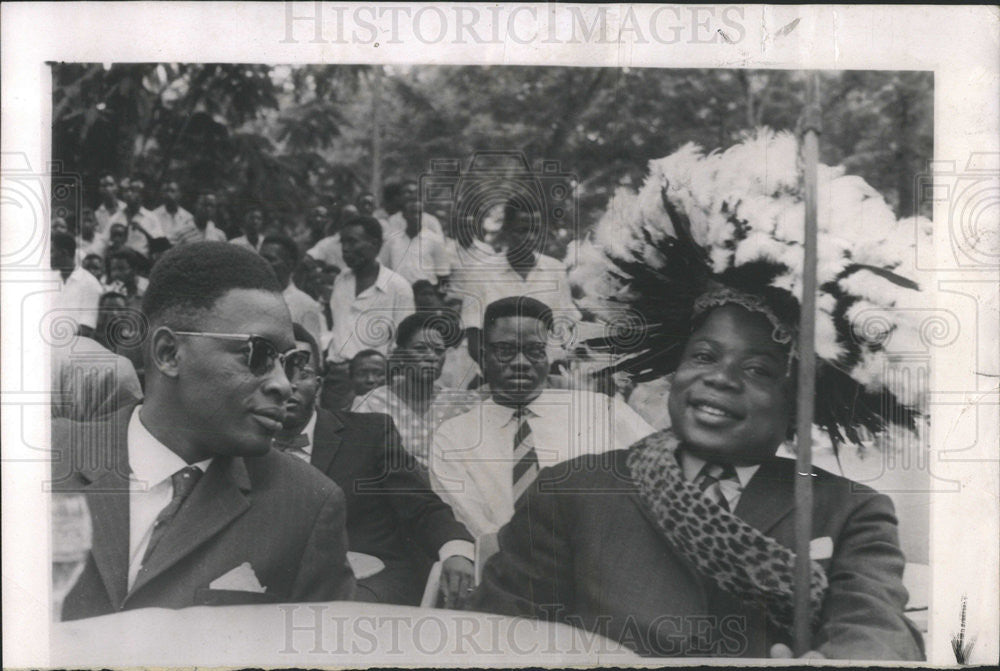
{"points": [[163, 351]]}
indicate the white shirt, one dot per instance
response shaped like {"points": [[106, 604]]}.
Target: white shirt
{"points": [[329, 251], [305, 311], [397, 224], [105, 218], [368, 320], [191, 233], [546, 282], [173, 225], [151, 490], [80, 297], [692, 465], [243, 242], [136, 240], [453, 547], [471, 466], [423, 257]]}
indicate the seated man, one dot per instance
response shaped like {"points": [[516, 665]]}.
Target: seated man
{"points": [[392, 514], [190, 506], [679, 545], [483, 461]]}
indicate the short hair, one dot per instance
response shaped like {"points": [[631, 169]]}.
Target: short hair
{"points": [[517, 306], [127, 254], [371, 226], [391, 191], [423, 285], [360, 356], [64, 242], [191, 278], [418, 321], [301, 334], [157, 245], [92, 255], [284, 241]]}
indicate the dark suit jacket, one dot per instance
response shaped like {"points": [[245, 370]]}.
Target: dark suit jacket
{"points": [[392, 513], [273, 512], [583, 551]]}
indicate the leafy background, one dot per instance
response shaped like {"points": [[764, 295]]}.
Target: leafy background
{"points": [[289, 136]]}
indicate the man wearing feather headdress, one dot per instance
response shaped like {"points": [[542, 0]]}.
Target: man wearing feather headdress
{"points": [[680, 544]]}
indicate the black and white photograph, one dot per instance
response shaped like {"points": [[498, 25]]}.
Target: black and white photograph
{"points": [[455, 356]]}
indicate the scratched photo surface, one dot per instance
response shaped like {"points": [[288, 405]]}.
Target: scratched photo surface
{"points": [[460, 356]]}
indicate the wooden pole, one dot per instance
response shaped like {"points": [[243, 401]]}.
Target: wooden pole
{"points": [[807, 375], [376, 185]]}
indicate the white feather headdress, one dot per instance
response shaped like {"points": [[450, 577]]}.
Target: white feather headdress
{"points": [[736, 219]]}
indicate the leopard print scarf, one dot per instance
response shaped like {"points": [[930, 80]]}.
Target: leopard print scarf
{"points": [[739, 558]]}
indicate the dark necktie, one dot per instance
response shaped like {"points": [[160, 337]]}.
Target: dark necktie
{"points": [[709, 480], [299, 442], [525, 458], [183, 481]]}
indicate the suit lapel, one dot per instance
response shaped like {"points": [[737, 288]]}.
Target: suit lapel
{"points": [[216, 501], [108, 499], [327, 439], [104, 454], [769, 496]]}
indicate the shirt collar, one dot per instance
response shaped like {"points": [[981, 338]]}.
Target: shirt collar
{"points": [[310, 431], [382, 281], [151, 461], [533, 409], [692, 466]]}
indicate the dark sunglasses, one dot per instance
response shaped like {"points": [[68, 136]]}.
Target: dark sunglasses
{"points": [[505, 351], [262, 354]]}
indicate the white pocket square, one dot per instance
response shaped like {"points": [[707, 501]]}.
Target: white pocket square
{"points": [[821, 548], [240, 579]]}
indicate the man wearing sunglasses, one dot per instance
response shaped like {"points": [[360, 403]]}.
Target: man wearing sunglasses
{"points": [[484, 460], [190, 506]]}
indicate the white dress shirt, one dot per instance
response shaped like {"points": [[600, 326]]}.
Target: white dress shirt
{"points": [[151, 489], [173, 224], [692, 465], [305, 311], [397, 224], [329, 251], [243, 242], [80, 297], [305, 452], [422, 257], [367, 320], [137, 240], [472, 460], [546, 282], [106, 219]]}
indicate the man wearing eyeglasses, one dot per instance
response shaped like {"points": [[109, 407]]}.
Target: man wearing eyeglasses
{"points": [[190, 506], [393, 515], [484, 460]]}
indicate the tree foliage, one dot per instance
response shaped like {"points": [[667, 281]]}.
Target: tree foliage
{"points": [[286, 136]]}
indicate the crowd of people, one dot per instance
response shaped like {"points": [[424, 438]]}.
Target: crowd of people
{"points": [[323, 412]]}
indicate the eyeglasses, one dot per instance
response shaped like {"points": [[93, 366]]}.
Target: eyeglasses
{"points": [[262, 354], [505, 352], [423, 348]]}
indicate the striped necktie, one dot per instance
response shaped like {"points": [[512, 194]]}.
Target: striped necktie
{"points": [[525, 458], [710, 478]]}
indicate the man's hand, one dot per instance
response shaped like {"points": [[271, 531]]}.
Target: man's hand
{"points": [[457, 581], [782, 651]]}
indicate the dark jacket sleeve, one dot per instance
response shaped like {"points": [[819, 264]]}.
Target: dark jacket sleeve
{"points": [[425, 517], [532, 574], [862, 614], [324, 574]]}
